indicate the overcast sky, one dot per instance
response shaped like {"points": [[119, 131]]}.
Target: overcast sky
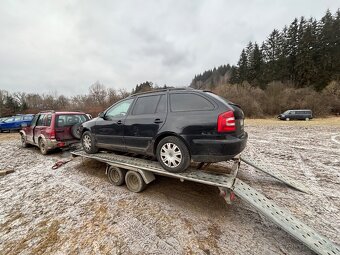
{"points": [[65, 46]]}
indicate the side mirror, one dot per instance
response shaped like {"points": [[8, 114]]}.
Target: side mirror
{"points": [[101, 115]]}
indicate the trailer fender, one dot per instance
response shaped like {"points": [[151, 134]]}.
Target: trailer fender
{"points": [[146, 175]]}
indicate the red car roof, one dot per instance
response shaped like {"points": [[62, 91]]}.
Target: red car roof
{"points": [[69, 113]]}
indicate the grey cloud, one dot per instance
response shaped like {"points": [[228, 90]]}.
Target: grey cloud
{"points": [[65, 46]]}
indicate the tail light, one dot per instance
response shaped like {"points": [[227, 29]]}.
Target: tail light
{"points": [[52, 133], [226, 122]]}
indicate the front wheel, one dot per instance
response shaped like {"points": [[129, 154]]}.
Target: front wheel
{"points": [[287, 119], [173, 154], [88, 142], [307, 119]]}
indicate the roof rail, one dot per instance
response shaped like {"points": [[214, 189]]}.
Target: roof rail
{"points": [[161, 90], [44, 111]]}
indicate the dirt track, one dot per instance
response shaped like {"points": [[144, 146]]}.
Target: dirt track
{"points": [[75, 210]]}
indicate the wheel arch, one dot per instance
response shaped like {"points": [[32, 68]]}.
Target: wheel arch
{"points": [[165, 134]]}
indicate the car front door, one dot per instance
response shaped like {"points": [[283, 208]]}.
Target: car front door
{"points": [[109, 130], [144, 121]]}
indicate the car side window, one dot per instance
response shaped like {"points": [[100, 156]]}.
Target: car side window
{"points": [[189, 102], [119, 110], [34, 120], [41, 120], [48, 120], [161, 108], [17, 118], [145, 105]]}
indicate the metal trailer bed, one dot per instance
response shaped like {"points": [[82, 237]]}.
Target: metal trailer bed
{"points": [[141, 172]]}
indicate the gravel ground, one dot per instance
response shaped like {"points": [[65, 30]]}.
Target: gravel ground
{"points": [[75, 210]]}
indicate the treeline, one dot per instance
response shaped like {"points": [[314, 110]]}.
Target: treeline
{"points": [[304, 54], [98, 98]]}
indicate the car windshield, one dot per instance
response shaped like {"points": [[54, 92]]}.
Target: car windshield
{"points": [[66, 120], [286, 112]]}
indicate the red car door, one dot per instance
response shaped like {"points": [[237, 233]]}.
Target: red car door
{"points": [[39, 128], [29, 130]]}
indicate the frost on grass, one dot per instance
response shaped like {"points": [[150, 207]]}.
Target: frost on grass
{"points": [[75, 210]]}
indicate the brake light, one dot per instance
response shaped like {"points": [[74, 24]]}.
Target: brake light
{"points": [[52, 134], [226, 122]]}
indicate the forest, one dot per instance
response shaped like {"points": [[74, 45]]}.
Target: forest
{"points": [[297, 67]]}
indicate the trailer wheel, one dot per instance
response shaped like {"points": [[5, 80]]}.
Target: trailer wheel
{"points": [[134, 181], [116, 175]]}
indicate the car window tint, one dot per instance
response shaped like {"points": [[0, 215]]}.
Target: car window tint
{"points": [[189, 102], [40, 121], [145, 105], [67, 120], [119, 110], [161, 108]]}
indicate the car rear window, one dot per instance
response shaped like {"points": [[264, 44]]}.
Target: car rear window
{"points": [[66, 120], [189, 102], [146, 105]]}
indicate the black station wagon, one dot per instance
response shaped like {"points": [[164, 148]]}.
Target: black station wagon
{"points": [[296, 115], [173, 125]]}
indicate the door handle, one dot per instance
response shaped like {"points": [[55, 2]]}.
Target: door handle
{"points": [[158, 121], [119, 122]]}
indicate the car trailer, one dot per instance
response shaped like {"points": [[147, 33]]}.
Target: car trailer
{"points": [[136, 173]]}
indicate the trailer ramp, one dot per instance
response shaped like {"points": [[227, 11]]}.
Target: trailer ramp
{"points": [[283, 219], [275, 174]]}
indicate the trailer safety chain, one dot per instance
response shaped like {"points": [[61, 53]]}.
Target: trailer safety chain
{"points": [[59, 163]]}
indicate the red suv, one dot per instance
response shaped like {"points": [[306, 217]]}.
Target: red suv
{"points": [[50, 130]]}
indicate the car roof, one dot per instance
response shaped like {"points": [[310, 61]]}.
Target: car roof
{"points": [[65, 113], [300, 110]]}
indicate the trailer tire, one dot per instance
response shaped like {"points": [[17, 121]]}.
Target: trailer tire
{"points": [[88, 143], [175, 145], [134, 181], [116, 175]]}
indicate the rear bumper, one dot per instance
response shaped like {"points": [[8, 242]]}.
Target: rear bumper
{"points": [[54, 144], [212, 150]]}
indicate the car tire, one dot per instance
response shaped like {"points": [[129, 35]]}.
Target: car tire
{"points": [[42, 147], [24, 144], [287, 119], [306, 119], [75, 131], [116, 175], [88, 143], [134, 181], [173, 154]]}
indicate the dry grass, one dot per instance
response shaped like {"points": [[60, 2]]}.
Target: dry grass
{"points": [[331, 121], [9, 136]]}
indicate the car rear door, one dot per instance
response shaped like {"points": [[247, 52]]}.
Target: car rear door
{"points": [[144, 121], [109, 130]]}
